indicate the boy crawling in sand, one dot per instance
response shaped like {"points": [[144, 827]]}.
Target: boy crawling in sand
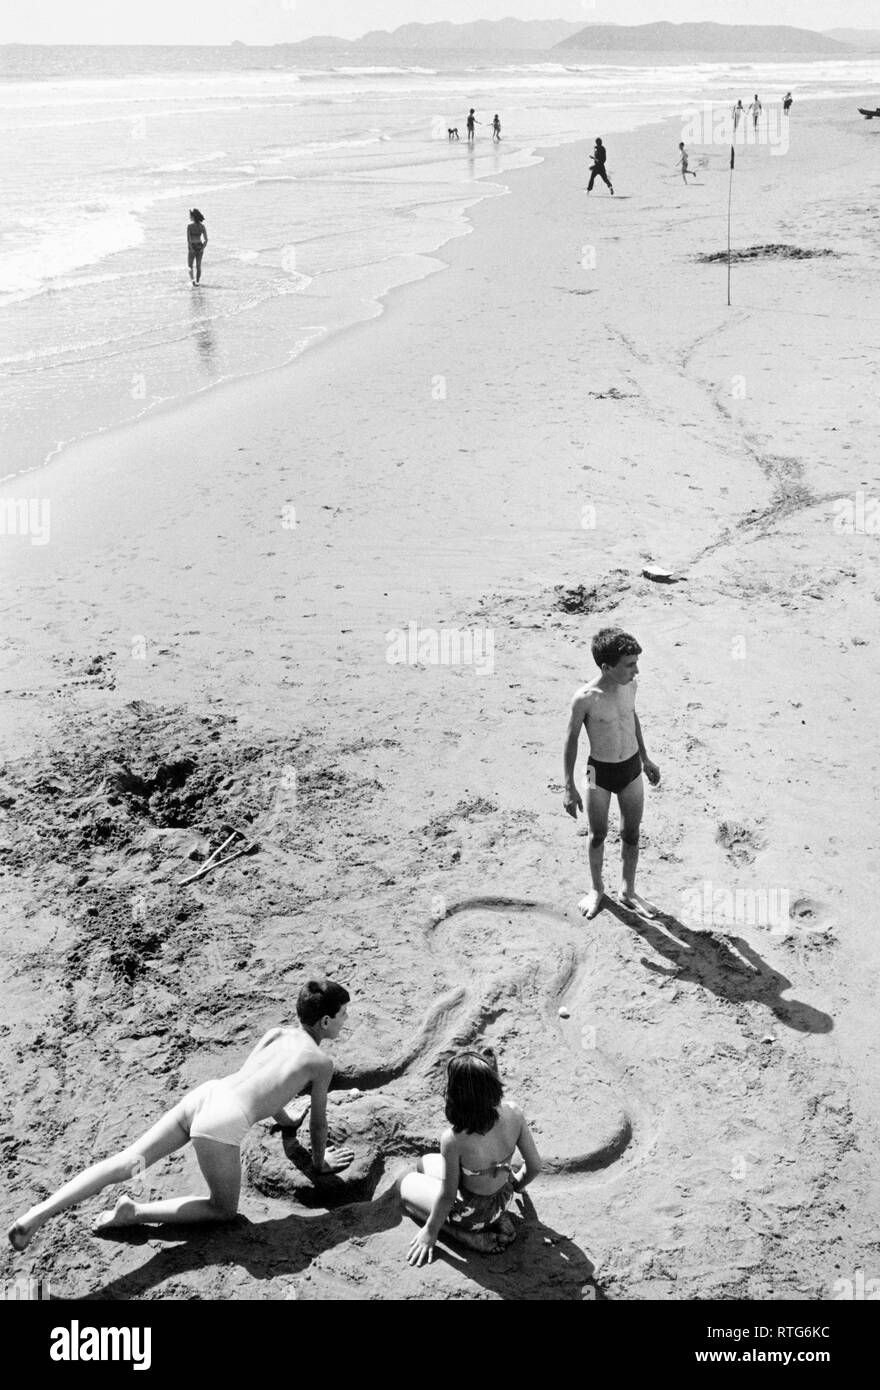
{"points": [[214, 1118], [606, 708]]}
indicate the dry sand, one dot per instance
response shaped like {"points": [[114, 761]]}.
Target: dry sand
{"points": [[709, 1109]]}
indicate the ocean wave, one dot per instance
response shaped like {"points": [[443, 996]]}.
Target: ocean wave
{"points": [[384, 72], [185, 165], [538, 67], [27, 269]]}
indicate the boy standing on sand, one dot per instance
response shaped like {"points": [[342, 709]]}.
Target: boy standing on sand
{"points": [[605, 706], [472, 122], [214, 1118]]}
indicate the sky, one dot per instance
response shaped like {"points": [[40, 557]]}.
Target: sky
{"points": [[279, 21]]}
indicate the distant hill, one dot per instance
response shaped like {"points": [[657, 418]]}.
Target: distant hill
{"points": [[859, 38], [700, 38], [321, 41], [503, 35]]}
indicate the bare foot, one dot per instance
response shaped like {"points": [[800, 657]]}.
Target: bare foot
{"points": [[485, 1242], [591, 905], [392, 1178], [637, 904], [20, 1233], [123, 1214], [507, 1230]]}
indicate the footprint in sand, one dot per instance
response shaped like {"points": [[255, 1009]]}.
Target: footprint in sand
{"points": [[741, 842]]}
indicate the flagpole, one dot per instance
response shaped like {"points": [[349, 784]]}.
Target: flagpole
{"points": [[729, 202]]}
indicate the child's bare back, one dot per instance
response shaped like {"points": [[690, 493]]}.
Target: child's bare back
{"points": [[282, 1064], [486, 1159]]}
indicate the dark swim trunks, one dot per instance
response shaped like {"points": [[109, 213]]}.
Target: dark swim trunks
{"points": [[613, 777]]}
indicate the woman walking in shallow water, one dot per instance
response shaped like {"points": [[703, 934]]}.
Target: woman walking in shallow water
{"points": [[196, 241]]}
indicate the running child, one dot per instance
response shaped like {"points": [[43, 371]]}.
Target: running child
{"points": [[683, 163]]}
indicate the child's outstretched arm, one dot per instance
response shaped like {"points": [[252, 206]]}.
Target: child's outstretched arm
{"points": [[532, 1164], [422, 1245]]}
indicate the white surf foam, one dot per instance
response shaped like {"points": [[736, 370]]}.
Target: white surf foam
{"points": [[48, 252]]}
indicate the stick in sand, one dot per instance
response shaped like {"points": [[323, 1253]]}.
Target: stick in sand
{"points": [[212, 857]]}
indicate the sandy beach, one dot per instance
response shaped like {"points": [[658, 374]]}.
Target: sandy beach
{"points": [[204, 642]]}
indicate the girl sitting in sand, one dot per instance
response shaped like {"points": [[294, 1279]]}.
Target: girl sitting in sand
{"points": [[465, 1190]]}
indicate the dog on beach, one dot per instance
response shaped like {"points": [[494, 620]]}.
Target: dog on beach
{"points": [[452, 132]]}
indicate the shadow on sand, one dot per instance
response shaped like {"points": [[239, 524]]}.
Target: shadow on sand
{"points": [[541, 1266], [266, 1249], [726, 965]]}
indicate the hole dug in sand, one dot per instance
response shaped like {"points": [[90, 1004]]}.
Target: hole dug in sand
{"points": [[277, 1164], [592, 598]]}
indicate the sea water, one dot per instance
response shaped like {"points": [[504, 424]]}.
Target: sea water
{"points": [[323, 185]]}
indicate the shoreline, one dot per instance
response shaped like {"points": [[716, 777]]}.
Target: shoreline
{"points": [[523, 433], [411, 267], [423, 264]]}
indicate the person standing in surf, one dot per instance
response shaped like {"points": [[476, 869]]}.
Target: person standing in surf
{"points": [[196, 241], [606, 708]]}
